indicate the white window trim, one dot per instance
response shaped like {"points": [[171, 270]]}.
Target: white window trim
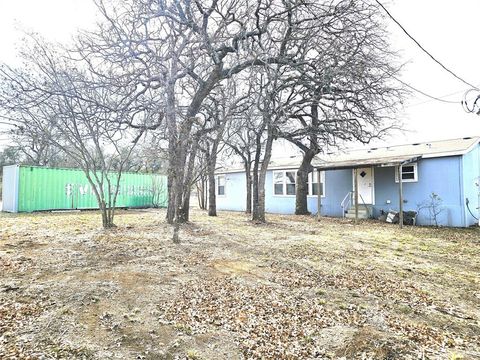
{"points": [[274, 183], [284, 183], [310, 183], [415, 173], [217, 184]]}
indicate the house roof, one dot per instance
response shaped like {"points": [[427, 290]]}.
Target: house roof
{"points": [[395, 155], [290, 162], [375, 156]]}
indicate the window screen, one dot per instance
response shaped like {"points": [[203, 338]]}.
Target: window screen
{"points": [[313, 190], [408, 172], [290, 182], [221, 185], [278, 182]]}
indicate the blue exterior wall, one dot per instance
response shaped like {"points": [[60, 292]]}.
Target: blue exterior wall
{"points": [[439, 175], [235, 193], [471, 182], [452, 178], [337, 184]]}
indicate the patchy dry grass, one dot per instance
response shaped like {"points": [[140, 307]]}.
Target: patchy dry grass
{"points": [[294, 288]]}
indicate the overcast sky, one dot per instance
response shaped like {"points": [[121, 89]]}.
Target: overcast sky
{"points": [[447, 29]]}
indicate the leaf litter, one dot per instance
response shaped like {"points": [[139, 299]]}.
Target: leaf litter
{"points": [[293, 288]]}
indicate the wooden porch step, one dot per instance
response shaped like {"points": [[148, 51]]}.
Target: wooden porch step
{"points": [[360, 210], [364, 211], [361, 215]]}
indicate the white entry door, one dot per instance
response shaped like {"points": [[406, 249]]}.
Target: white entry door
{"points": [[365, 185]]}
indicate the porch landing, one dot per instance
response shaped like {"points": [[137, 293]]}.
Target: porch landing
{"points": [[364, 212]]}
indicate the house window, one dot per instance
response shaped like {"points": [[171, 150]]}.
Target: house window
{"points": [[221, 185], [278, 180], [313, 183], [284, 182], [290, 182], [409, 173]]}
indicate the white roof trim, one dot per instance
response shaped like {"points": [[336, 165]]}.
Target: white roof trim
{"points": [[386, 154]]}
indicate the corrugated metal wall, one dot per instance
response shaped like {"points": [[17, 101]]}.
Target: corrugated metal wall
{"points": [[42, 188]]}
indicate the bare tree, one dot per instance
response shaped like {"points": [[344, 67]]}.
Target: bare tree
{"points": [[221, 109], [36, 149], [185, 49], [166, 58], [73, 113], [157, 190], [241, 141], [270, 100], [342, 88], [10, 155], [201, 183], [434, 207], [150, 155]]}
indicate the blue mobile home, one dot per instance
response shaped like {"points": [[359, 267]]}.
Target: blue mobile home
{"points": [[448, 168]]}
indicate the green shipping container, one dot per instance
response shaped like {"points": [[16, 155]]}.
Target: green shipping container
{"points": [[33, 188]]}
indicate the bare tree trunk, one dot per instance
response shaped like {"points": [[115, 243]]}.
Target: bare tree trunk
{"points": [[107, 216], [248, 180], [103, 209], [184, 213], [205, 194], [259, 212], [183, 177], [212, 197], [201, 193], [301, 204], [175, 237], [172, 184], [255, 182], [182, 188], [309, 152], [259, 200], [171, 198], [184, 210]]}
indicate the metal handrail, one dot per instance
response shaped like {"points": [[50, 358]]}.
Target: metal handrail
{"points": [[344, 202], [347, 201], [345, 198]]}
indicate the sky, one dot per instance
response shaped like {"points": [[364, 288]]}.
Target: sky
{"points": [[447, 29]]}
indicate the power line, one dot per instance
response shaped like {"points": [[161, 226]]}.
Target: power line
{"points": [[444, 96], [424, 93], [440, 97], [423, 49]]}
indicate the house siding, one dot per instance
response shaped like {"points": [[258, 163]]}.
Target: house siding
{"points": [[438, 175], [452, 178], [471, 179], [337, 184], [235, 193]]}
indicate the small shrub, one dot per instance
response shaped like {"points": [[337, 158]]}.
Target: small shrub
{"points": [[434, 207]]}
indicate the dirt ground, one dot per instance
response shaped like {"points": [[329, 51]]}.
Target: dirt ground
{"points": [[294, 288]]}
